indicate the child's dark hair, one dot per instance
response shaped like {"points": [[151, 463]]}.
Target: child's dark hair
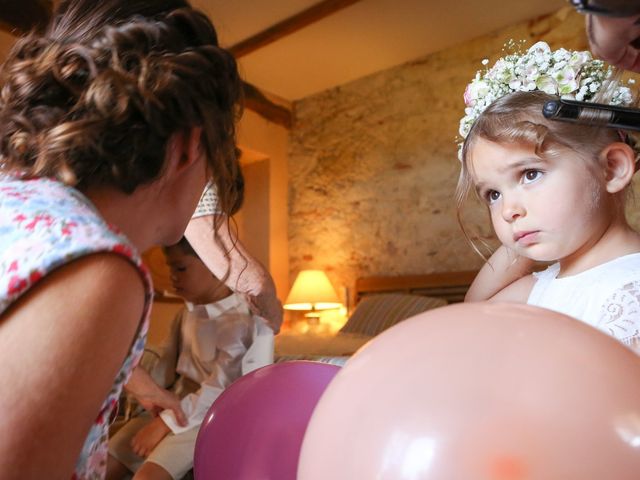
{"points": [[184, 246], [95, 98]]}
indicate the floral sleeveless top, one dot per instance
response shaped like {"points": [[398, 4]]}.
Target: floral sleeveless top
{"points": [[45, 224]]}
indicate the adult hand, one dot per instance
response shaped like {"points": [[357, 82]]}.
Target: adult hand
{"points": [[268, 307], [149, 437], [615, 40]]}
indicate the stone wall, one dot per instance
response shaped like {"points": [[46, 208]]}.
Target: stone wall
{"points": [[373, 165]]}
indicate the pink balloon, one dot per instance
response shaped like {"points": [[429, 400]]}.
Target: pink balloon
{"points": [[480, 392], [254, 430]]}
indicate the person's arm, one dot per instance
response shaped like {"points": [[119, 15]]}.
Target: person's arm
{"points": [[615, 40], [246, 275], [59, 360], [152, 396], [505, 277]]}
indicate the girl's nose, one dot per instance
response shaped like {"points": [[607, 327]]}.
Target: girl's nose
{"points": [[512, 209]]}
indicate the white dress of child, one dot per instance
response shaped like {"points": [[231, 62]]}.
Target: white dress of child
{"points": [[606, 296]]}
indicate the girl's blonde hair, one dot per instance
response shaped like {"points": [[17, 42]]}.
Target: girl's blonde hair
{"points": [[517, 118]]}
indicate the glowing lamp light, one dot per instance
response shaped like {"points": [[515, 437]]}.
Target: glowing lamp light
{"points": [[312, 291]]}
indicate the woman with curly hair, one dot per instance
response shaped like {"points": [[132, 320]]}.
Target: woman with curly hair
{"points": [[112, 122]]}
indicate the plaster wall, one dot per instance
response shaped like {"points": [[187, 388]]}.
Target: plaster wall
{"points": [[271, 142]]}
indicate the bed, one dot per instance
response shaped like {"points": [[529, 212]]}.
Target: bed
{"points": [[381, 302]]}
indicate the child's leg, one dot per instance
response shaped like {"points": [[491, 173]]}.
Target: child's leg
{"points": [[151, 471], [172, 456], [120, 446], [116, 470]]}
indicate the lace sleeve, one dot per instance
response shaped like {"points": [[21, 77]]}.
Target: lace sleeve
{"points": [[620, 315]]}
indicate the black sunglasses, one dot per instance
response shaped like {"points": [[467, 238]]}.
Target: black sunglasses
{"points": [[588, 6]]}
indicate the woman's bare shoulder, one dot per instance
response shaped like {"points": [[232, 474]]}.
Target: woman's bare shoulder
{"points": [[61, 346]]}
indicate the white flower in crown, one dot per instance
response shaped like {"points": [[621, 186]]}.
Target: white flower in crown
{"points": [[568, 74]]}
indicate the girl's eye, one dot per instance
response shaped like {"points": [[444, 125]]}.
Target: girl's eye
{"points": [[492, 196], [531, 175]]}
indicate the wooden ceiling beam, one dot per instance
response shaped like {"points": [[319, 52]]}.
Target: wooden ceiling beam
{"points": [[289, 26], [256, 100]]}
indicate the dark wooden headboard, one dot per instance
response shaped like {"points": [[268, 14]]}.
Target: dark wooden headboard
{"points": [[451, 286]]}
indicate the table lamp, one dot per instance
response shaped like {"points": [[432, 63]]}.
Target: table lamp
{"points": [[312, 291]]}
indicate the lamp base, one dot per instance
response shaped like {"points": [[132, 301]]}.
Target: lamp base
{"points": [[313, 318]]}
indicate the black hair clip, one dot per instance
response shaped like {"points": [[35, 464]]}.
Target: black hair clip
{"points": [[595, 114], [592, 7]]}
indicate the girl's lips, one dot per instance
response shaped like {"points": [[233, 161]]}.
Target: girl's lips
{"points": [[526, 238]]}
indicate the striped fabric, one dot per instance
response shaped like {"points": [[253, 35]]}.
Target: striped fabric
{"points": [[335, 360], [376, 313]]}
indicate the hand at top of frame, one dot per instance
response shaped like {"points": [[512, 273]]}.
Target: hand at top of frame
{"points": [[616, 40]]}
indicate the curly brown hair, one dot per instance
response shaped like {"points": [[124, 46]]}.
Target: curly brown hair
{"points": [[95, 98]]}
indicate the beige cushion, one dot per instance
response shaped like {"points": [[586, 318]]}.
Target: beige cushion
{"points": [[376, 313]]}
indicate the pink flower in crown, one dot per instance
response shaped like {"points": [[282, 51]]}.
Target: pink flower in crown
{"points": [[477, 89], [468, 100], [561, 72]]}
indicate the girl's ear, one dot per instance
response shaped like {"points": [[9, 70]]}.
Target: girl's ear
{"points": [[620, 164]]}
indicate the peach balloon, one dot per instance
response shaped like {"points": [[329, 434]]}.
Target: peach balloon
{"points": [[480, 392]]}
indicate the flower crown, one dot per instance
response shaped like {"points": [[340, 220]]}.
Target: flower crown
{"points": [[571, 75]]}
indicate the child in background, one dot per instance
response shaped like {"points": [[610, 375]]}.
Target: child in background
{"points": [[219, 341], [555, 193]]}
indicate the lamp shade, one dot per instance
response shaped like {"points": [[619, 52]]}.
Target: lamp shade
{"points": [[312, 290]]}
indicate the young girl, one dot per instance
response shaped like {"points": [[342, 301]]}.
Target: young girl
{"points": [[112, 122], [556, 193]]}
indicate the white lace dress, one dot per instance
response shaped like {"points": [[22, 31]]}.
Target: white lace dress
{"points": [[606, 297]]}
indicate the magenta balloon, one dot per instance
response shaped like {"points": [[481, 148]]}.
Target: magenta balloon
{"points": [[480, 392], [254, 430]]}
